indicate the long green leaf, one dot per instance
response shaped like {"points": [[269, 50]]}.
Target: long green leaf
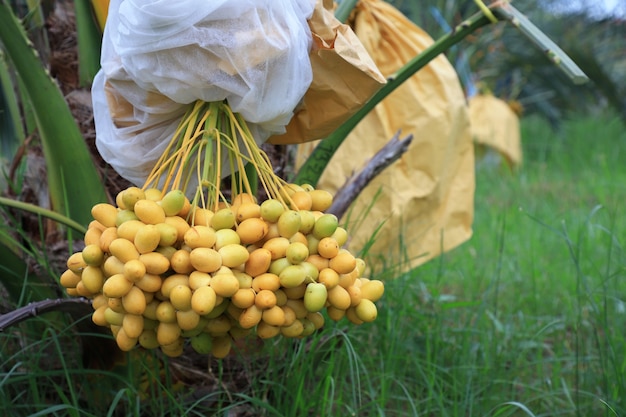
{"points": [[89, 42], [73, 181], [11, 129]]}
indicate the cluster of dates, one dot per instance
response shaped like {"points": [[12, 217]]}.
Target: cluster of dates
{"points": [[161, 271]]}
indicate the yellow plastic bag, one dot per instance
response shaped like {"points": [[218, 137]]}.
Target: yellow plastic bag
{"points": [[495, 125], [344, 77], [425, 204]]}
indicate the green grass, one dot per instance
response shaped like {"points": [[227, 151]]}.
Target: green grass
{"points": [[531, 309], [525, 319]]}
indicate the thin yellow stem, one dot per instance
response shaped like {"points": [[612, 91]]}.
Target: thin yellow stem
{"points": [[272, 184], [209, 135], [243, 183], [218, 170], [164, 163], [190, 152], [184, 152]]}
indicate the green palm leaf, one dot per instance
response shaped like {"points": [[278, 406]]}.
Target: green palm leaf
{"points": [[73, 181], [11, 130], [89, 42]]}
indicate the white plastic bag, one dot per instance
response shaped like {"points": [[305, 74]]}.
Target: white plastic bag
{"points": [[253, 53], [160, 56], [133, 126]]}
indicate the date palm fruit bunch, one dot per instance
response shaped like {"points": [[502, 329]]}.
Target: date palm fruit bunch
{"points": [[163, 269]]}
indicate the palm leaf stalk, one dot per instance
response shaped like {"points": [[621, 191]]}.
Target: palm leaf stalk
{"points": [[543, 42], [36, 308], [89, 42]]}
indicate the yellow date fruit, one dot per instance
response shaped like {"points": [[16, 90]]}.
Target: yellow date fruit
{"points": [[149, 212], [315, 297]]}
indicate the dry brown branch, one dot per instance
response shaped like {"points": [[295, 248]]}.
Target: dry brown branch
{"points": [[388, 154], [78, 305]]}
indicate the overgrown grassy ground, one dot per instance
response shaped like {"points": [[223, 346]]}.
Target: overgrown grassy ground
{"points": [[527, 318]]}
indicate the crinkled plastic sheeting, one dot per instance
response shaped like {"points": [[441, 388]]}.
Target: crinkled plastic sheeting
{"points": [[344, 78]]}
